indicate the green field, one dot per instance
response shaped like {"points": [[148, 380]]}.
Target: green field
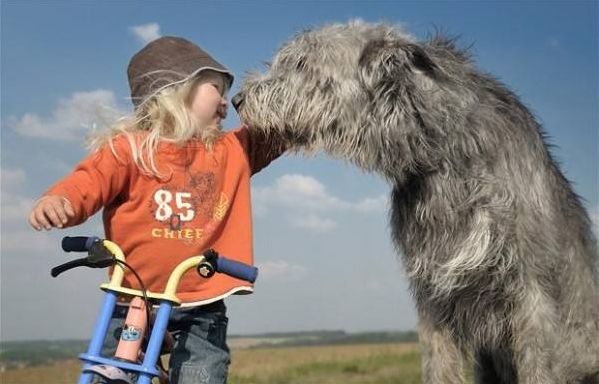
{"points": [[381, 363]]}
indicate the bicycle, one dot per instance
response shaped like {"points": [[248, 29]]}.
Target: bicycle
{"points": [[103, 254]]}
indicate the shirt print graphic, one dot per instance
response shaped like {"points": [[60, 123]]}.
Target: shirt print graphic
{"points": [[190, 212]]}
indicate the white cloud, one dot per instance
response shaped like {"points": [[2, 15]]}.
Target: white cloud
{"points": [[298, 191], [280, 270], [146, 32], [14, 206], [314, 223], [17, 237], [72, 118], [11, 179], [305, 192], [308, 201], [373, 204]]}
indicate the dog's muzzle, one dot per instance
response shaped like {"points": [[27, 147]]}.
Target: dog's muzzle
{"points": [[237, 101]]}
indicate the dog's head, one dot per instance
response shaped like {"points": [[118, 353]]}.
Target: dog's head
{"points": [[355, 90]]}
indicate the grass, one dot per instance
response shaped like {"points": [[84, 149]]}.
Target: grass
{"points": [[397, 363], [368, 364], [66, 372]]}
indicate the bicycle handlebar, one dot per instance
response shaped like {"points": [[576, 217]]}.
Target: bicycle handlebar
{"points": [[100, 257], [78, 243]]}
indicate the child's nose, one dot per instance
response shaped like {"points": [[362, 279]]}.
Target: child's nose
{"points": [[222, 109]]}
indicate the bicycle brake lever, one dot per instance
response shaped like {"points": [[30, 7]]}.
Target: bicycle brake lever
{"points": [[69, 265]]}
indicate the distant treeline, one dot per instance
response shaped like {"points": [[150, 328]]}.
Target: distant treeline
{"points": [[27, 353], [16, 353], [339, 337]]}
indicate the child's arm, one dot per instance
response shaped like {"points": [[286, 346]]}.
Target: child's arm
{"points": [[93, 184], [261, 149]]}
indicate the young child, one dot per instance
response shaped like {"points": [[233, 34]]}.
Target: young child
{"points": [[172, 185]]}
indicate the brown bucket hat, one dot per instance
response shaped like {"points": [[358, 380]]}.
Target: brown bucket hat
{"points": [[166, 61]]}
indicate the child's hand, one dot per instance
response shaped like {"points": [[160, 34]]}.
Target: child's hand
{"points": [[51, 211]]}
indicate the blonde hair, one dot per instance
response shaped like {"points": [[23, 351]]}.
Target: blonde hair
{"points": [[163, 117]]}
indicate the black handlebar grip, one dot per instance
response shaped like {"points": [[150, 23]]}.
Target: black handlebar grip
{"points": [[69, 265], [78, 243]]}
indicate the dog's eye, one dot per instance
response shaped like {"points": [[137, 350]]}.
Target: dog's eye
{"points": [[301, 63]]}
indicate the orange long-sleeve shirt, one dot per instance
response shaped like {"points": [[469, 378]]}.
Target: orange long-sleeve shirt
{"points": [[203, 203]]}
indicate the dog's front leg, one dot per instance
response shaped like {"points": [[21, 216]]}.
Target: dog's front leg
{"points": [[534, 336], [442, 359]]}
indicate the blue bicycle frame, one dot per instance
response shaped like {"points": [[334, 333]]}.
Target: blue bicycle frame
{"points": [[147, 369]]}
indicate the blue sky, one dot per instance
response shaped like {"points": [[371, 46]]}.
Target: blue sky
{"points": [[321, 234]]}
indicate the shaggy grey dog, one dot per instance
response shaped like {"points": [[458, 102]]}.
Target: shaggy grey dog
{"points": [[499, 251]]}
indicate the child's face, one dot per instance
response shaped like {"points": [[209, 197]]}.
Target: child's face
{"points": [[208, 102]]}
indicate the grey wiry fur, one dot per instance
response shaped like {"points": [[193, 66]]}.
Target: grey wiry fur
{"points": [[499, 251]]}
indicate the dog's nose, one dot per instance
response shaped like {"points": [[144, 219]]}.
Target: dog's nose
{"points": [[237, 101]]}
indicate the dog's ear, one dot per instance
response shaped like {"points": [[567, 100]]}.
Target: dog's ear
{"points": [[388, 60], [421, 60]]}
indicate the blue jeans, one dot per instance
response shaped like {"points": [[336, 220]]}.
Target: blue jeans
{"points": [[200, 354]]}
